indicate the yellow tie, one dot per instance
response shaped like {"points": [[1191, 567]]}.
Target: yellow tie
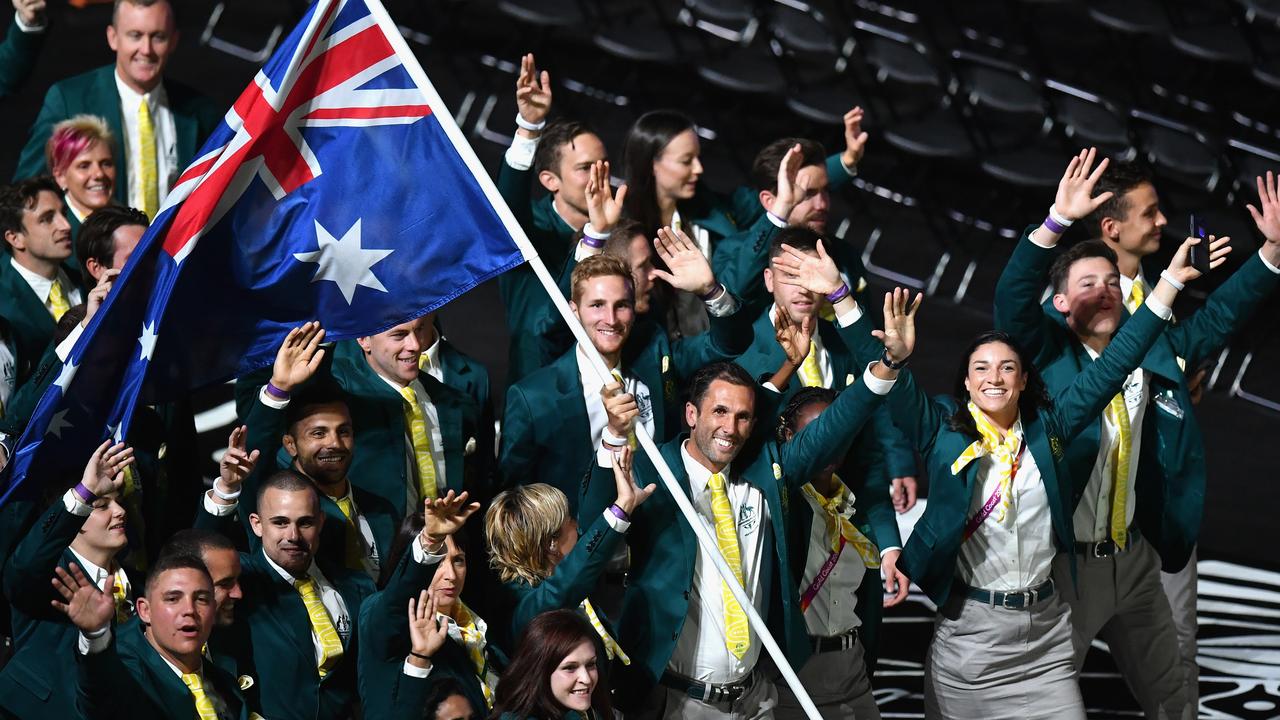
{"points": [[474, 642], [737, 632], [417, 424], [1136, 295], [321, 625], [838, 525], [123, 610], [611, 646], [631, 436], [424, 362], [1119, 414], [1002, 451], [810, 373], [58, 302], [147, 161], [354, 545], [204, 704]]}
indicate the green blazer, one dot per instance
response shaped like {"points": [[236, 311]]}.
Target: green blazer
{"points": [[930, 555], [664, 548], [95, 93], [522, 294], [18, 53], [30, 323], [465, 373], [39, 681], [1170, 483], [131, 681], [277, 647], [546, 433]]}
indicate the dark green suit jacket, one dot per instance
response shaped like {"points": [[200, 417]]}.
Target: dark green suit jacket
{"points": [[39, 682], [18, 53], [465, 373], [130, 681], [546, 432], [95, 93], [930, 555], [1170, 483], [278, 649], [30, 323], [664, 548]]}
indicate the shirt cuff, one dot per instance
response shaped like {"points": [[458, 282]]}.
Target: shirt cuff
{"points": [[616, 522], [520, 154], [217, 509], [422, 557], [584, 251], [94, 645], [1032, 237], [74, 505], [768, 385], [850, 171], [777, 220], [875, 384], [604, 457], [1162, 311], [272, 401], [885, 551], [852, 316], [17, 20], [414, 671], [64, 348], [1270, 267], [725, 304]]}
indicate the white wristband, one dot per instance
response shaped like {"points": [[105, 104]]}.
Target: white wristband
{"points": [[225, 495], [1168, 276], [526, 125], [1057, 217]]}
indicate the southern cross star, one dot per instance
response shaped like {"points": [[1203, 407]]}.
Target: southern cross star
{"points": [[344, 262]]}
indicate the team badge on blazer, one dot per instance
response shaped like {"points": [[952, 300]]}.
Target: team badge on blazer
{"points": [[245, 682], [666, 363], [848, 380], [777, 471], [1055, 447], [470, 449]]}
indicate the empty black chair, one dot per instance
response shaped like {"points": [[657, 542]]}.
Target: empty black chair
{"points": [[1090, 120], [1178, 151]]}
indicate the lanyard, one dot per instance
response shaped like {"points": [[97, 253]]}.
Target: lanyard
{"points": [[994, 501]]}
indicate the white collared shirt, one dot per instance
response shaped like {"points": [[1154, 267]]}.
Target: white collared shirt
{"points": [[432, 419], [433, 368], [166, 136], [41, 285], [75, 209], [701, 653], [833, 609], [330, 597], [597, 418], [698, 234], [1092, 519]]}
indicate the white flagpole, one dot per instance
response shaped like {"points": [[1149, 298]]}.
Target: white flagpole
{"points": [[705, 541]]}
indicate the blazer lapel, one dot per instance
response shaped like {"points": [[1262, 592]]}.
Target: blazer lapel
{"points": [[571, 409], [1038, 445], [105, 100], [842, 368], [449, 414]]}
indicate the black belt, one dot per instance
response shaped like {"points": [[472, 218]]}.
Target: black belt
{"points": [[708, 692], [835, 644], [1107, 548], [1013, 599]]}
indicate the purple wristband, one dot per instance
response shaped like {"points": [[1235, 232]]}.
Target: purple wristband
{"points": [[841, 293], [619, 513], [712, 295], [593, 243], [276, 392], [1053, 225], [84, 494]]}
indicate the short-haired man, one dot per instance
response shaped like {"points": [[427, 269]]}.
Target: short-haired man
{"points": [[107, 239], [1144, 459], [556, 416], [158, 124], [21, 44], [222, 560], [37, 284], [153, 665]]}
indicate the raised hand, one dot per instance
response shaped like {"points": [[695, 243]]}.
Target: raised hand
{"points": [[1180, 266], [299, 357], [788, 193], [98, 294], [533, 91], [792, 338], [899, 334], [1075, 190], [104, 473], [818, 275], [855, 140], [445, 516], [426, 632], [237, 462], [689, 269], [620, 408], [1268, 217], [604, 207], [895, 583], [630, 497], [31, 11], [87, 607]]}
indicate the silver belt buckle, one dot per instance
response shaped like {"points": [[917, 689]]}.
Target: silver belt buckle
{"points": [[1101, 551], [1024, 594]]}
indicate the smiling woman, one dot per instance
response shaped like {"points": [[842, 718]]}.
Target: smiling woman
{"points": [[80, 158], [554, 673]]}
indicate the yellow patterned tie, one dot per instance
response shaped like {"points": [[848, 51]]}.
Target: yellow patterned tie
{"points": [[321, 625], [1119, 414], [839, 526], [631, 436], [204, 704], [149, 181], [416, 421], [355, 553], [737, 632], [1136, 295], [121, 597], [810, 373], [58, 303], [1002, 451], [611, 646], [474, 642]]}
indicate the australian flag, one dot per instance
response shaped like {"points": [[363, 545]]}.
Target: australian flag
{"points": [[336, 188]]}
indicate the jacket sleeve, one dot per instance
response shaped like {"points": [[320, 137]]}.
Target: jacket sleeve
{"points": [[837, 176], [31, 162], [827, 438], [517, 458], [103, 683], [873, 497], [740, 259], [727, 338], [1017, 302], [572, 579], [1227, 308], [18, 54], [29, 571]]}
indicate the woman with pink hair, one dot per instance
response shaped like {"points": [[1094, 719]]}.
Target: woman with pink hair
{"points": [[81, 156]]}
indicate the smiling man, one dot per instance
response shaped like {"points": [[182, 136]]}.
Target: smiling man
{"points": [[158, 124]]}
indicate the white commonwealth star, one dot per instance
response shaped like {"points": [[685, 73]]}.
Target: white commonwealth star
{"points": [[344, 262], [148, 341], [67, 372]]}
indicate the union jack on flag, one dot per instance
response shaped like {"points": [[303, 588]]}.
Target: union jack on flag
{"points": [[337, 188]]}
